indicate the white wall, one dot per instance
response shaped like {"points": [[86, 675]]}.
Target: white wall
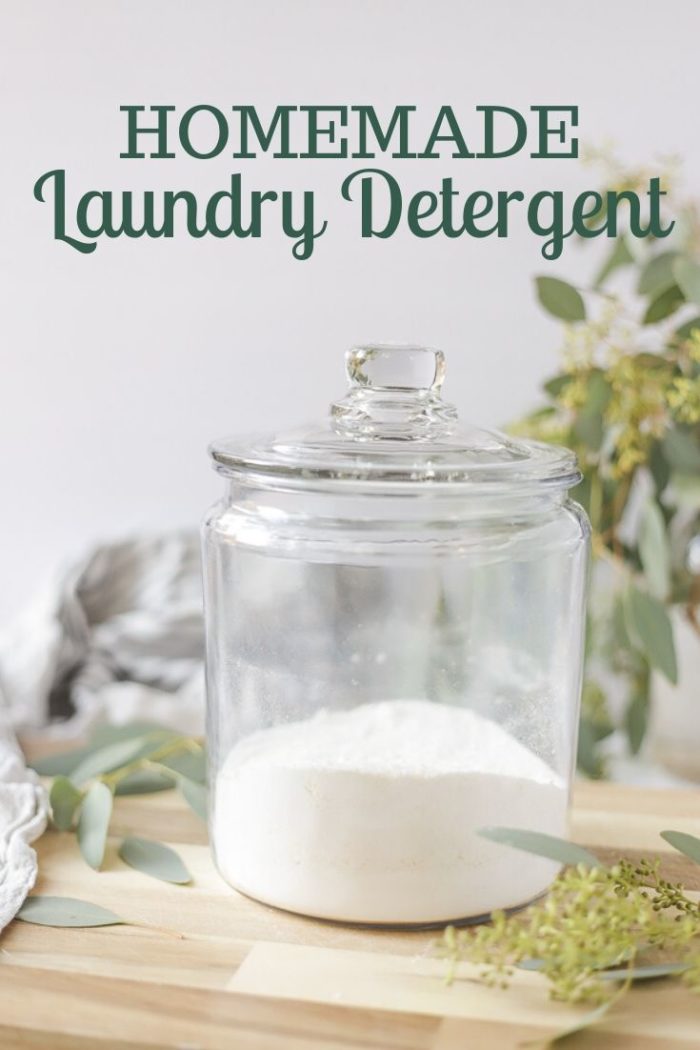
{"points": [[118, 367]]}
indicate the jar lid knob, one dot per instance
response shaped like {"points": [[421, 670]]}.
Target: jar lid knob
{"points": [[394, 367], [394, 394]]}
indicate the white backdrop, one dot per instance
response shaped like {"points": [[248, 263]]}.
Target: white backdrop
{"points": [[118, 367]]}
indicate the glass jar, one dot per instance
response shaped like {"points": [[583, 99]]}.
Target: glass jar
{"points": [[394, 613]]}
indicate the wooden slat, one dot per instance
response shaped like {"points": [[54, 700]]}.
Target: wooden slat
{"points": [[249, 977], [141, 1013]]}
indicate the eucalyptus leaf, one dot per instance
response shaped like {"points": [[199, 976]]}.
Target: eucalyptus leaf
{"points": [[650, 628], [682, 451], [686, 490], [560, 299], [195, 795], [588, 759], [61, 764], [93, 824], [154, 859], [556, 384], [64, 763], [112, 756], [663, 305], [111, 734], [589, 430], [636, 720], [619, 256], [687, 275], [643, 973], [598, 393], [684, 843], [190, 764], [659, 467], [144, 782], [66, 911], [654, 552], [64, 799], [657, 275], [589, 423], [591, 1018], [542, 845]]}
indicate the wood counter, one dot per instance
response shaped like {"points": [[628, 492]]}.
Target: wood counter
{"points": [[246, 977]]}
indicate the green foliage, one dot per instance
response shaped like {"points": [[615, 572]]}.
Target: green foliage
{"points": [[654, 552], [651, 631], [560, 299], [684, 843], [597, 932], [195, 796], [134, 759], [665, 303], [93, 823], [64, 799], [656, 275], [66, 911], [154, 859], [627, 400], [542, 845], [687, 274]]}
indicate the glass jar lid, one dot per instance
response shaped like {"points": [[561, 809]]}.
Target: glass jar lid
{"points": [[393, 427]]}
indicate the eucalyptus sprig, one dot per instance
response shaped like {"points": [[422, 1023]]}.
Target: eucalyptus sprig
{"points": [[627, 401], [598, 931], [138, 758]]}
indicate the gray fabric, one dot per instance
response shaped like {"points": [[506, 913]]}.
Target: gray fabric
{"points": [[116, 637]]}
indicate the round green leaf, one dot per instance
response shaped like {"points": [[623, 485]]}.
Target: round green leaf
{"points": [[154, 859], [66, 911], [560, 299], [650, 628], [684, 843], [64, 799], [541, 845], [93, 824], [687, 274], [663, 305]]}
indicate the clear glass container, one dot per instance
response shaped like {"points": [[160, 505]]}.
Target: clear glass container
{"points": [[394, 615]]}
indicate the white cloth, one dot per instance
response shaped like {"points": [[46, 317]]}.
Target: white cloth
{"points": [[23, 813], [118, 636]]}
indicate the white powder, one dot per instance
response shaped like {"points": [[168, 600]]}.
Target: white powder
{"points": [[370, 815]]}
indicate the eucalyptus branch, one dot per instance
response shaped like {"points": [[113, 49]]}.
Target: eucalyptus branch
{"points": [[172, 747]]}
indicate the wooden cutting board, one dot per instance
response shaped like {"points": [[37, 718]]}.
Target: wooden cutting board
{"points": [[245, 976]]}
